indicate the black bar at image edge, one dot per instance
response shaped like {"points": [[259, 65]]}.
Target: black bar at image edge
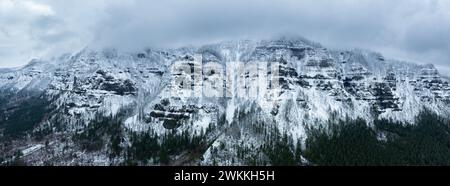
{"points": [[217, 175]]}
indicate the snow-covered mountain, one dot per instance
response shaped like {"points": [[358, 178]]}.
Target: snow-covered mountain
{"points": [[54, 112]]}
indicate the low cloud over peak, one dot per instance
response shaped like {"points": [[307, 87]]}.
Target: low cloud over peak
{"points": [[415, 30]]}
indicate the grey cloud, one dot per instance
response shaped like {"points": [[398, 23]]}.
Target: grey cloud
{"points": [[415, 30]]}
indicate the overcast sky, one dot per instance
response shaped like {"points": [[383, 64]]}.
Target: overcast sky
{"points": [[415, 30]]}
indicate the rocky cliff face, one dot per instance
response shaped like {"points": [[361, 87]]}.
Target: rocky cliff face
{"points": [[47, 105]]}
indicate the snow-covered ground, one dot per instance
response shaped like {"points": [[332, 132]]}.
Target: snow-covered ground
{"points": [[319, 85]]}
